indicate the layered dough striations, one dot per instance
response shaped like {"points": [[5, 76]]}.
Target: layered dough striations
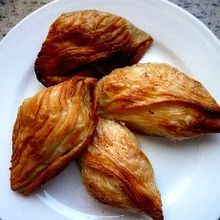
{"points": [[157, 99], [89, 43], [51, 128], [116, 172]]}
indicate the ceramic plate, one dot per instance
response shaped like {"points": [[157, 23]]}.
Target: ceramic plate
{"points": [[187, 173]]}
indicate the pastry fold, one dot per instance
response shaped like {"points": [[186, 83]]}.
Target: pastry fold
{"points": [[51, 128], [89, 43], [157, 99], [116, 172]]}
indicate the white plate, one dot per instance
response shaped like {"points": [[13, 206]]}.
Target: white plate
{"points": [[187, 173]]}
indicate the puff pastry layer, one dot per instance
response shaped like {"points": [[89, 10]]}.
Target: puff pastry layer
{"points": [[116, 172], [89, 43], [51, 128], [157, 99]]}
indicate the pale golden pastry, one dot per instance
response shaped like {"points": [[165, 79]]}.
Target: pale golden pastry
{"points": [[51, 128], [89, 43], [116, 172], [157, 99]]}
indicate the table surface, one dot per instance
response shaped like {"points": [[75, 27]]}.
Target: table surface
{"points": [[12, 11]]}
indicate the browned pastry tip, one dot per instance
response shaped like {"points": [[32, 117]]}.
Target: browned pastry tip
{"points": [[89, 43], [51, 128], [116, 172], [157, 99]]}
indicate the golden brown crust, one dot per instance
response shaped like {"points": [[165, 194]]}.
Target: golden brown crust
{"points": [[116, 172], [157, 99], [51, 128], [89, 43]]}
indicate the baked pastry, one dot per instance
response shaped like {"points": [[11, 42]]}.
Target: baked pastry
{"points": [[157, 99], [116, 172], [89, 43], [51, 128]]}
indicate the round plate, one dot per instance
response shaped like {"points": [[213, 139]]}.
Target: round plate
{"points": [[187, 172]]}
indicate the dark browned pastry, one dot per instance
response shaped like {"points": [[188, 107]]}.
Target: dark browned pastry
{"points": [[157, 99], [89, 43], [51, 128], [116, 172]]}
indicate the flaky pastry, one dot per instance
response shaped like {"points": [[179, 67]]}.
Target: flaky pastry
{"points": [[89, 43], [157, 99], [116, 172], [51, 128]]}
